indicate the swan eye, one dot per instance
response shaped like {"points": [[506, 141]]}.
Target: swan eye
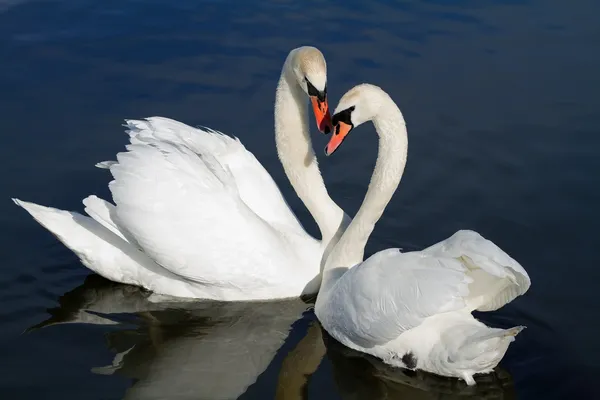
{"points": [[344, 116], [312, 91]]}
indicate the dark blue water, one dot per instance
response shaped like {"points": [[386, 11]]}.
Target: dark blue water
{"points": [[501, 100]]}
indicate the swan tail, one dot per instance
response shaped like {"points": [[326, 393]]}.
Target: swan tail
{"points": [[104, 213], [482, 351], [98, 247]]}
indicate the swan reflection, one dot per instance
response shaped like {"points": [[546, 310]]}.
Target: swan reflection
{"points": [[181, 350], [211, 350]]}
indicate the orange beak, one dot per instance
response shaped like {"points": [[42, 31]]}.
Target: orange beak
{"points": [[321, 110], [340, 132]]}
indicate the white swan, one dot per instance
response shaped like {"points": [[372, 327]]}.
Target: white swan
{"points": [[198, 216], [413, 309]]}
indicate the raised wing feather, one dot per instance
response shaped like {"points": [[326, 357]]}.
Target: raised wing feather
{"points": [[254, 184], [497, 278], [184, 210], [392, 292]]}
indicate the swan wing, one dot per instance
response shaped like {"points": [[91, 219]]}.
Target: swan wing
{"points": [[497, 278], [254, 184], [184, 209], [392, 292]]}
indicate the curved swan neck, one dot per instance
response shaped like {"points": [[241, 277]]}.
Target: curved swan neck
{"points": [[391, 160], [294, 147]]}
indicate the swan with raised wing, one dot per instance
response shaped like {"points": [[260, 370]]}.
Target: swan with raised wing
{"points": [[413, 309], [196, 215]]}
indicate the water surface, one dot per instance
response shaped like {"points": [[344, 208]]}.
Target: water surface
{"points": [[501, 102]]}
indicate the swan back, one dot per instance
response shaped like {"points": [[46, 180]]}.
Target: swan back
{"points": [[390, 293]]}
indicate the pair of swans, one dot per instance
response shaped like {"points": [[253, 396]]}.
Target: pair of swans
{"points": [[198, 216]]}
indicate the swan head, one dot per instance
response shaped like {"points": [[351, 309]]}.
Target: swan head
{"points": [[310, 71], [357, 106]]}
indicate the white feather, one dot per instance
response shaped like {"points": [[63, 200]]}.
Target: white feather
{"points": [[196, 215], [413, 309], [180, 213], [394, 304], [498, 278]]}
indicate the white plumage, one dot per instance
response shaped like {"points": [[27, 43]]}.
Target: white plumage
{"points": [[198, 216], [183, 205], [182, 214], [417, 306], [413, 310]]}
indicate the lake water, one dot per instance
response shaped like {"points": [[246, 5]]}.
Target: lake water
{"points": [[501, 101]]}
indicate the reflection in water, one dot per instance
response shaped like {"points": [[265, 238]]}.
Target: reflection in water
{"points": [[215, 353], [212, 350], [299, 364], [181, 350], [95, 301]]}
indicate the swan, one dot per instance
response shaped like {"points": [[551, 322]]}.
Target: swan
{"points": [[413, 309], [196, 215]]}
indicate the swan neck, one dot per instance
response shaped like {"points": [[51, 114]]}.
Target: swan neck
{"points": [[295, 151], [391, 161]]}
